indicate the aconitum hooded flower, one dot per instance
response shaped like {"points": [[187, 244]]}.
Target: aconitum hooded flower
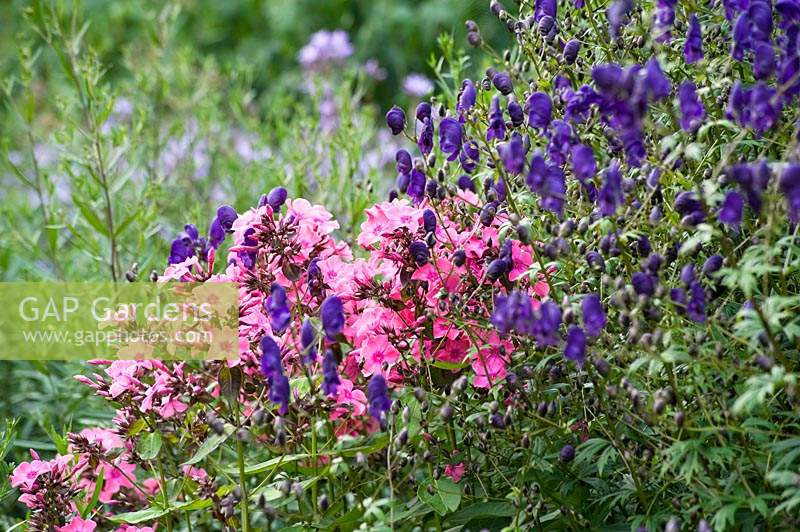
{"points": [[730, 213], [712, 264], [330, 374], [539, 108], [451, 134], [270, 357], [425, 139], [763, 60], [308, 339], [693, 48], [216, 234], [618, 15], [611, 196], [396, 120], [419, 252], [545, 8], [226, 216], [656, 83], [276, 198], [378, 397], [545, 326], [278, 306], [404, 162], [696, 307], [515, 113], [561, 140], [789, 185], [594, 317], [416, 186], [643, 284], [470, 156], [466, 97], [513, 312], [583, 163], [497, 126], [181, 249], [331, 314], [571, 49], [692, 110], [690, 207], [428, 221], [512, 154], [423, 111], [664, 19], [575, 348], [502, 82], [279, 391]]}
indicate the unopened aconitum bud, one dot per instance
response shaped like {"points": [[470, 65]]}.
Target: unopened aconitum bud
{"points": [[446, 412]]}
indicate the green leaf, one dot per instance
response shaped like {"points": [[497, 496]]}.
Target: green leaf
{"points": [[209, 446], [445, 495], [140, 516], [98, 487], [481, 510], [149, 445]]}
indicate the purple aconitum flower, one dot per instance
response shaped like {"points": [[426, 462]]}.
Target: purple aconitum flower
{"points": [[690, 207], [546, 323], [753, 180], [611, 80], [633, 142], [712, 264], [325, 49], [226, 216], [278, 307], [583, 163], [271, 363], [696, 308], [789, 185], [279, 391], [653, 263], [276, 198], [502, 82], [404, 163], [578, 4], [248, 258], [548, 181], [466, 97], [512, 153], [567, 453], [610, 196], [765, 107], [451, 134], [423, 111], [396, 120], [513, 312], [687, 274], [378, 397], [594, 317], [470, 156], [657, 85], [561, 140], [539, 109], [730, 213], [545, 8], [330, 374], [308, 340], [578, 103], [679, 299], [428, 221], [692, 110], [595, 261], [571, 49], [416, 186], [575, 348], [181, 249], [419, 252], [497, 269], [643, 284], [425, 139], [763, 60], [618, 15], [664, 19], [402, 182], [515, 113], [216, 234], [693, 48], [331, 314], [465, 183], [497, 126]]}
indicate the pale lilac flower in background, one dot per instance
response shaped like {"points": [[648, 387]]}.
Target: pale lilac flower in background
{"points": [[417, 85], [374, 70], [325, 49], [120, 114]]}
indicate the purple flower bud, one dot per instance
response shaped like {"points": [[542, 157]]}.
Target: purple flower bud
{"points": [[396, 120], [276, 198], [712, 264], [330, 374], [403, 159], [423, 111], [331, 314], [571, 50], [466, 97], [378, 397], [692, 110], [488, 212], [451, 133], [731, 211], [789, 185], [575, 348], [191, 231], [279, 392], [693, 49], [216, 233], [539, 109], [567, 453], [428, 221], [643, 284], [497, 126], [469, 156], [278, 307], [226, 216], [502, 82], [419, 252], [270, 357], [594, 317], [459, 257], [496, 269], [515, 113]]}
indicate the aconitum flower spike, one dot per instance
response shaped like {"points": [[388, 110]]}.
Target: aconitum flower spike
{"points": [[512, 153], [692, 110], [278, 307], [331, 313], [693, 48], [279, 391], [730, 213], [545, 327], [789, 185], [378, 397], [610, 196], [696, 308], [465, 183], [226, 216], [451, 134], [428, 221], [502, 82], [571, 50], [416, 186], [216, 233], [583, 163], [270, 357], [575, 347], [763, 60], [308, 339], [330, 374], [617, 15], [419, 252], [180, 250], [276, 198], [594, 317], [643, 284], [539, 108], [396, 120]]}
